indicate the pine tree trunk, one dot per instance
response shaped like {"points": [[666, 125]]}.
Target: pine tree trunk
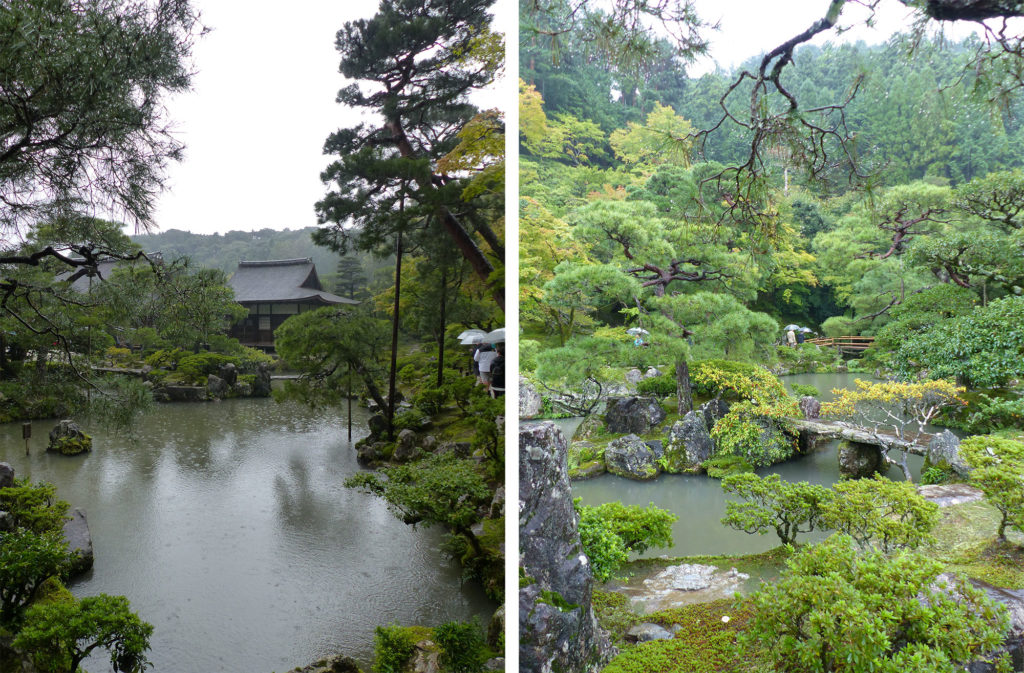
{"points": [[440, 334], [394, 336], [684, 392]]}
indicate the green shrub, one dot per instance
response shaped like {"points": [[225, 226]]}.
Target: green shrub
{"points": [[119, 355], [996, 467], [880, 513], [528, 349], [772, 504], [463, 390], [167, 359], [756, 434], [431, 400], [804, 390], [410, 419], [609, 532], [408, 374], [34, 507], [197, 366], [837, 608], [985, 414], [658, 386], [393, 646], [463, 649], [723, 466]]}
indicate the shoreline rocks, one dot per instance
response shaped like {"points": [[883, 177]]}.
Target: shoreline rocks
{"points": [[67, 438]]}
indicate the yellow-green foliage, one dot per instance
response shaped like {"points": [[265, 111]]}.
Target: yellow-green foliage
{"points": [[879, 404], [997, 468]]}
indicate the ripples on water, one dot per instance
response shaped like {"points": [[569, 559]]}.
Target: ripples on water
{"points": [[227, 526]]}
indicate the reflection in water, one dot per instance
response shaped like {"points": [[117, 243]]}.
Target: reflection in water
{"points": [[699, 502], [228, 528]]}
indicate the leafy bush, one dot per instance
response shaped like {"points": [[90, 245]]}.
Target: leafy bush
{"points": [[393, 646], [836, 608], [119, 355], [609, 532], [199, 365], [431, 400], [34, 507], [463, 649], [27, 560], [410, 419], [167, 359], [658, 386], [757, 434], [880, 513], [463, 391], [528, 349], [997, 465], [985, 414], [408, 374], [804, 390], [786, 507]]}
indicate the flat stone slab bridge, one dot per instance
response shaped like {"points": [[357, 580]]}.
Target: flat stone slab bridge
{"points": [[836, 430]]}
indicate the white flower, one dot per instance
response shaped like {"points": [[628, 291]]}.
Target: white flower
{"points": [[725, 619]]}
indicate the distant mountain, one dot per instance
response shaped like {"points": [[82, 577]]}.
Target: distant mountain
{"points": [[225, 251]]}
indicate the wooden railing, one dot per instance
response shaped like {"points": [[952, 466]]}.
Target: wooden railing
{"points": [[845, 344]]}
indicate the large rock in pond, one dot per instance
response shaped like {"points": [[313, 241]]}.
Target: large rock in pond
{"points": [[530, 401], [810, 407], [631, 457], [944, 453], [689, 444], [713, 411], [333, 664], [858, 460], [216, 387], [68, 439], [6, 475], [228, 372], [406, 447], [261, 384], [557, 627], [633, 415], [79, 539]]}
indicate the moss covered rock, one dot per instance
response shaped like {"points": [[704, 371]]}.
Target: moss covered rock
{"points": [[68, 439]]}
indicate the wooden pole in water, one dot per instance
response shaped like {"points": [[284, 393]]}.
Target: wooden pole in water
{"points": [[26, 434], [350, 403]]}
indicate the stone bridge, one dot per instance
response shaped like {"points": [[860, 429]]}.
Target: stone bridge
{"points": [[834, 430]]}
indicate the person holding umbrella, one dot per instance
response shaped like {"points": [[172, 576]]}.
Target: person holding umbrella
{"points": [[484, 357]]}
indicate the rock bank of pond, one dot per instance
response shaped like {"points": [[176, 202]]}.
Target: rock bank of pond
{"points": [[227, 527]]}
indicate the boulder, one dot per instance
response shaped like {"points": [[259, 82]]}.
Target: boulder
{"points": [[179, 394], [557, 627], [495, 664], [807, 441], [1013, 643], [429, 443], [79, 539], [332, 664], [216, 387], [810, 407], [684, 584], [630, 457], [945, 495], [689, 444], [378, 425], [496, 627], [229, 372], [426, 658], [657, 446], [858, 460], [261, 384], [460, 449], [68, 439], [406, 448], [530, 401], [6, 475], [6, 522], [242, 389], [642, 633], [651, 373], [714, 411], [944, 452], [633, 415], [370, 452], [634, 376], [497, 509], [588, 428]]}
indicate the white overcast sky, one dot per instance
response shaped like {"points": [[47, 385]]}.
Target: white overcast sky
{"points": [[267, 74], [261, 107]]}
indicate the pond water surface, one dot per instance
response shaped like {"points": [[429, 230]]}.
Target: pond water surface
{"points": [[699, 502], [227, 527]]}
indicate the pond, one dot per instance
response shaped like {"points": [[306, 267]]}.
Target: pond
{"points": [[227, 527], [699, 502]]}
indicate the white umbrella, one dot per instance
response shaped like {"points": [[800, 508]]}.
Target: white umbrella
{"points": [[806, 330], [471, 339], [495, 336], [468, 332], [637, 330], [789, 327]]}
